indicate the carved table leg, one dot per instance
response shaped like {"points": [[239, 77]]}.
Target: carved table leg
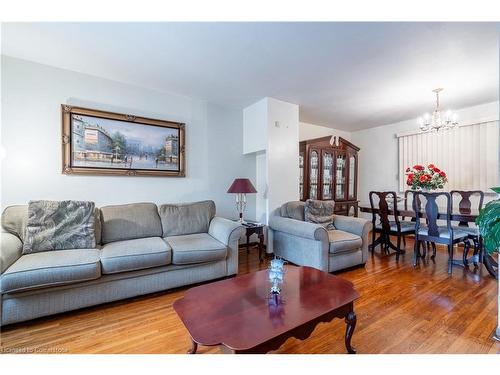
{"points": [[350, 320], [194, 348]]}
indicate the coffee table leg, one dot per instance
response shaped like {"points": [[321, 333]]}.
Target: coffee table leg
{"points": [[194, 347], [350, 320]]}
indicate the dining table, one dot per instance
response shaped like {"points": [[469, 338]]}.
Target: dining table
{"points": [[461, 214]]}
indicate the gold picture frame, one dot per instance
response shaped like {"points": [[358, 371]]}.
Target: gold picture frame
{"points": [[104, 143]]}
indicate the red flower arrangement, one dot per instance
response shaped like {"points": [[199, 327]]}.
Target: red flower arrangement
{"points": [[430, 177]]}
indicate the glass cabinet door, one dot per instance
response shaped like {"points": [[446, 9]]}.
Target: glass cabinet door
{"points": [[352, 177], [340, 176], [327, 174], [313, 174], [301, 176]]}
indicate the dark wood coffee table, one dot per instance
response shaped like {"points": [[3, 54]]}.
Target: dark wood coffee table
{"points": [[236, 313]]}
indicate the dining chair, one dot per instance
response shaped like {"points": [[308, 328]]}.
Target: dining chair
{"points": [[406, 196], [385, 227], [465, 206], [431, 231]]}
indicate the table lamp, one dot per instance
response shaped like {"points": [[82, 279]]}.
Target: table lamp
{"points": [[240, 187]]}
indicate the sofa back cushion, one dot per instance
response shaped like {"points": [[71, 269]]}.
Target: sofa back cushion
{"points": [[186, 218], [293, 210], [14, 219], [129, 221]]}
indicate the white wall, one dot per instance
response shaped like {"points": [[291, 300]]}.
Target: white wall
{"points": [[277, 173], [311, 131], [225, 160], [255, 127], [378, 158], [31, 136], [283, 151]]}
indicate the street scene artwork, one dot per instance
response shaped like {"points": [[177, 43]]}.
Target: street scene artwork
{"points": [[112, 144]]}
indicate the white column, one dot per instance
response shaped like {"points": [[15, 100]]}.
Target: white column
{"points": [[271, 132]]}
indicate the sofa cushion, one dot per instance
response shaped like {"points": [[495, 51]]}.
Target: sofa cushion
{"points": [[129, 221], [186, 218], [196, 248], [59, 225], [293, 210], [138, 254], [51, 268], [341, 241]]}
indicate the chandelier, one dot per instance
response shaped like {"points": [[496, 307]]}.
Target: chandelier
{"points": [[437, 121]]}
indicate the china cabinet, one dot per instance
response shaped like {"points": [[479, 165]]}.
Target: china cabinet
{"points": [[329, 171]]}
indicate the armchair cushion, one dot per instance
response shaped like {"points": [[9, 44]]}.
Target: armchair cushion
{"points": [[341, 241]]}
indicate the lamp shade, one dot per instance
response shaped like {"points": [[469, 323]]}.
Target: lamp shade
{"points": [[241, 185]]}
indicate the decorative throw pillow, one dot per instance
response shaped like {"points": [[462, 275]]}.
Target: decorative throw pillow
{"points": [[320, 212], [59, 225]]}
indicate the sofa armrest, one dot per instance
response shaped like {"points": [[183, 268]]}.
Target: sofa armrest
{"points": [[10, 251], [228, 232], [225, 230], [355, 225], [298, 228]]}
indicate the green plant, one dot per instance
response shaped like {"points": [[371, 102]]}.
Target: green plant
{"points": [[488, 222]]}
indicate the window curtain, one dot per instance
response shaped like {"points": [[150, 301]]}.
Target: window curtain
{"points": [[468, 154]]}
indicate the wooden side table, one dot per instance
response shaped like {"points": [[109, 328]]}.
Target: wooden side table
{"points": [[258, 229]]}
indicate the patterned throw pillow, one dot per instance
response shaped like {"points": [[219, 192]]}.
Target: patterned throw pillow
{"points": [[320, 212], [59, 225]]}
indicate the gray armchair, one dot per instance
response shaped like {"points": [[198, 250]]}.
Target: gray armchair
{"points": [[309, 244]]}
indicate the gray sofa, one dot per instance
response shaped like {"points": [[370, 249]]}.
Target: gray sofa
{"points": [[140, 249], [309, 244]]}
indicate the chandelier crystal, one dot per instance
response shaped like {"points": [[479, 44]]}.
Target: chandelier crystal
{"points": [[438, 121]]}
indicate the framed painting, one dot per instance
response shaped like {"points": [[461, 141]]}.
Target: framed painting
{"points": [[104, 143]]}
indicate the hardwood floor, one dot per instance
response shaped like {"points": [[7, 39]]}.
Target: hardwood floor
{"points": [[401, 310]]}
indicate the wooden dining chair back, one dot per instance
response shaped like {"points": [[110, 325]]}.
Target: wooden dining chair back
{"points": [[432, 231], [465, 206], [387, 227], [430, 211], [384, 211], [406, 204]]}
